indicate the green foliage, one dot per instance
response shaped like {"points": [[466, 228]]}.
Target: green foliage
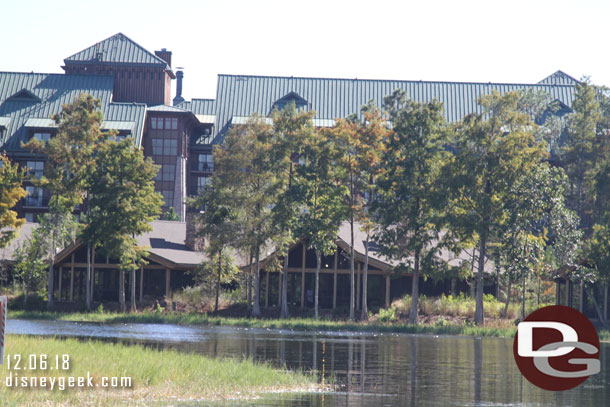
{"points": [[170, 215], [207, 272], [70, 153], [33, 256], [11, 191], [387, 315], [583, 148], [494, 150], [409, 187], [123, 201]]}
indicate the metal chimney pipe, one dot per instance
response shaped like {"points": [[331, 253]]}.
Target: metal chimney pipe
{"points": [[179, 99]]}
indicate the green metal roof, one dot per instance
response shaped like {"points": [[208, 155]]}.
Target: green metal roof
{"points": [[118, 49], [559, 78], [50, 92], [200, 106], [167, 109], [239, 96]]}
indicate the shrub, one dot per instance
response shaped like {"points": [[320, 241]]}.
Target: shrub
{"points": [[387, 315]]}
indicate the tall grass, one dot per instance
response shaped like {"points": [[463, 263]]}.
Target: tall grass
{"points": [[157, 375], [464, 307]]}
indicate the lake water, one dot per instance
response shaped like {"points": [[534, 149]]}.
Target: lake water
{"points": [[368, 369]]}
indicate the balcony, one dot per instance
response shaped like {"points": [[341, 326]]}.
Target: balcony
{"points": [[204, 167], [36, 202]]}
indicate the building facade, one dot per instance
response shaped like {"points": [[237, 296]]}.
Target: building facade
{"points": [[134, 89]]}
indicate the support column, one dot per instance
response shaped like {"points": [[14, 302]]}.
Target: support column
{"points": [[168, 281], [605, 301], [266, 289], [72, 279], [141, 283], [280, 275], [581, 295], [557, 292], [358, 287], [569, 293], [92, 273], [387, 291], [303, 275], [335, 279], [61, 272]]}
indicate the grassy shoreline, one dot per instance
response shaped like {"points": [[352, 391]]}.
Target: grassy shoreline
{"points": [[159, 376], [503, 328], [301, 324]]}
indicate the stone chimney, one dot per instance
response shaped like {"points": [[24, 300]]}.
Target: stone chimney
{"points": [[192, 241], [179, 99], [165, 55]]}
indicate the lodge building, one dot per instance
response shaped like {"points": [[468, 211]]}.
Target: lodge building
{"points": [[134, 89]]}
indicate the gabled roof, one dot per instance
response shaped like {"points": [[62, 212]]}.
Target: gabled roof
{"points": [[24, 95], [559, 78], [118, 49], [167, 246], [332, 98], [53, 91], [199, 106]]}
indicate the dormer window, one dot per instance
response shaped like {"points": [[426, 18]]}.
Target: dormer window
{"points": [[24, 95], [42, 136], [292, 97]]}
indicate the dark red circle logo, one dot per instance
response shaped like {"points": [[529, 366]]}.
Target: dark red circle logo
{"points": [[556, 348]]}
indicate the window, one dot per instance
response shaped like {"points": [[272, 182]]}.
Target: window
{"points": [[171, 123], [206, 162], [42, 136], [29, 217], [36, 168], [202, 182], [168, 197], [34, 196], [157, 145], [156, 123], [170, 147], [165, 147], [166, 173]]}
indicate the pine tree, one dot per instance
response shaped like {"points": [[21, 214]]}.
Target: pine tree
{"points": [[71, 155], [123, 203], [409, 187], [493, 150]]}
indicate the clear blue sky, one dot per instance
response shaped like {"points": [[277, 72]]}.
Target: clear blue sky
{"points": [[467, 40]]}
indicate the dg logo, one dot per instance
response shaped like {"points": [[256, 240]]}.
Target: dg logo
{"points": [[556, 348]]}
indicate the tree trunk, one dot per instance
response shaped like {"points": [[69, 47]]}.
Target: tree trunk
{"points": [[122, 305], [352, 292], [249, 282], [364, 315], [523, 297], [478, 313], [218, 280], [132, 289], [88, 279], [256, 309], [51, 281], [317, 287], [284, 300], [497, 282], [597, 309], [415, 290], [510, 282]]}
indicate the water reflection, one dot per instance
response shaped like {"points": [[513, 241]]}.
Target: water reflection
{"points": [[368, 369]]}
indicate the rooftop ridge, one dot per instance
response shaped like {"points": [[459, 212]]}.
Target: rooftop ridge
{"points": [[119, 36], [393, 80]]}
